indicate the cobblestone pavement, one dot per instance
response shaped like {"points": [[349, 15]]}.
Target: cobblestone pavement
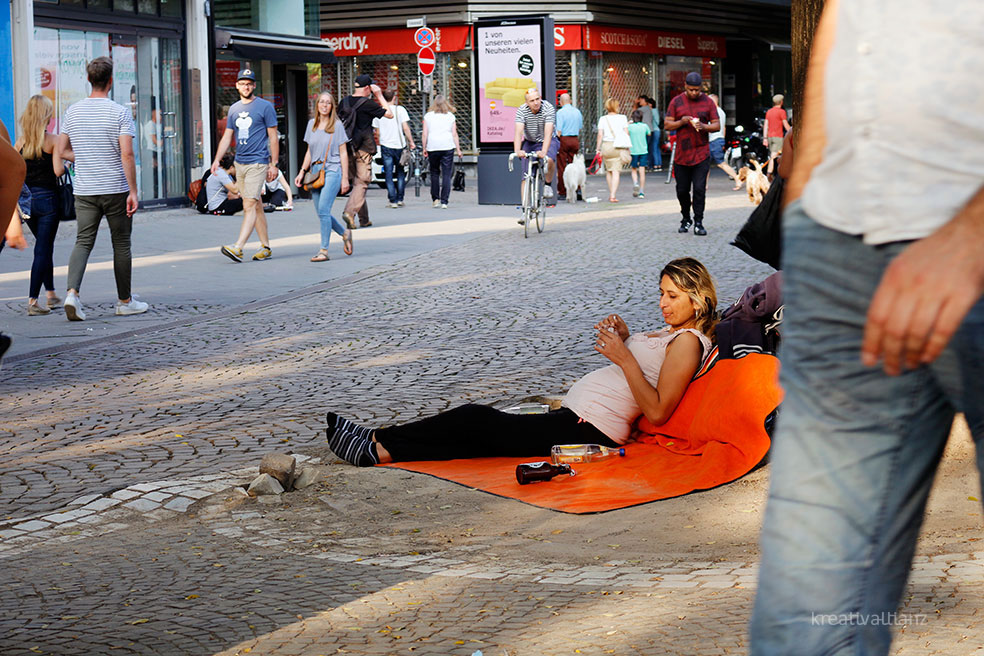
{"points": [[121, 531]]}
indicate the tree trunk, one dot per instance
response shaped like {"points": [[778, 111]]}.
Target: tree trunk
{"points": [[805, 14]]}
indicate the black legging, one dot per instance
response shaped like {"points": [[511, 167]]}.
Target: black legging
{"points": [[692, 176], [476, 431]]}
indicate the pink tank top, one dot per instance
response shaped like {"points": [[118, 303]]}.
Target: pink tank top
{"points": [[604, 398]]}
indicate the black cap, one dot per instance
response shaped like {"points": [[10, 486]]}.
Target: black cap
{"points": [[693, 79], [363, 81]]}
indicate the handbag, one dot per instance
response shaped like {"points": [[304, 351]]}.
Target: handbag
{"points": [[405, 158], [761, 236], [458, 183], [314, 179], [66, 196], [623, 153]]}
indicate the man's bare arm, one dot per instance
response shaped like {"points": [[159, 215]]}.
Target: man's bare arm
{"points": [[14, 168]]}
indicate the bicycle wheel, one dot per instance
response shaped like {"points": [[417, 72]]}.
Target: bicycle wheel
{"points": [[541, 206]]}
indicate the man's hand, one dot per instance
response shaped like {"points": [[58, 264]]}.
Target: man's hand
{"points": [[272, 172], [215, 167], [520, 153], [543, 154], [924, 295], [131, 203]]}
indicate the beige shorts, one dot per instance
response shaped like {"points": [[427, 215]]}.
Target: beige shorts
{"points": [[775, 145], [250, 179], [610, 156]]}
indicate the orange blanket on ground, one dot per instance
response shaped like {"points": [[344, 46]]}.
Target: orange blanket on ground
{"points": [[716, 435]]}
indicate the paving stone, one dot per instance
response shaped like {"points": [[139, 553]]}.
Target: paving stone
{"points": [[142, 505]]}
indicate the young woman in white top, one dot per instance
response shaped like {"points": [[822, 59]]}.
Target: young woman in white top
{"points": [[613, 134], [440, 145], [649, 374]]}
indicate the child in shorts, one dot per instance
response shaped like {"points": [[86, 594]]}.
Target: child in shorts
{"points": [[639, 137]]}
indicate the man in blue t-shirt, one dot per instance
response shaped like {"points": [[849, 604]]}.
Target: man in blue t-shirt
{"points": [[253, 121]]}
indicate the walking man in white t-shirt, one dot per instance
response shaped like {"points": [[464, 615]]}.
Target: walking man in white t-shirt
{"points": [[97, 134], [394, 135]]}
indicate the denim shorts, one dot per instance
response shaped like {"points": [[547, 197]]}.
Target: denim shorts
{"points": [[717, 151], [639, 161]]}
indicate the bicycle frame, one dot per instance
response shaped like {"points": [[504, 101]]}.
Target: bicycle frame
{"points": [[533, 206]]}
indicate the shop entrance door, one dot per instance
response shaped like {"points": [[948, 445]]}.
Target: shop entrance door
{"points": [[297, 118]]}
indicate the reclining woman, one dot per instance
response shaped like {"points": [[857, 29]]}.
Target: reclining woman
{"points": [[649, 374]]}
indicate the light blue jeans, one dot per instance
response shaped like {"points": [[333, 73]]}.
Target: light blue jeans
{"points": [[324, 198], [854, 456]]}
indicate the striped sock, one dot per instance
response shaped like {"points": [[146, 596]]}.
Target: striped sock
{"points": [[352, 446]]}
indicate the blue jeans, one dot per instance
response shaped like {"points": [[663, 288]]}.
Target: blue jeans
{"points": [[854, 455], [323, 200], [391, 160], [655, 156], [44, 225], [441, 164]]}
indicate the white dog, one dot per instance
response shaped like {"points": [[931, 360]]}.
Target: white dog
{"points": [[575, 177]]}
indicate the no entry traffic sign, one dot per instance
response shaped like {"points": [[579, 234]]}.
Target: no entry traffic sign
{"points": [[426, 60], [424, 37]]}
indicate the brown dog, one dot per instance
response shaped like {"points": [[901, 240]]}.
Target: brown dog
{"points": [[756, 182]]}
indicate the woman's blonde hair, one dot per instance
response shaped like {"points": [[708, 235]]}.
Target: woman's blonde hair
{"points": [[441, 105], [34, 123], [611, 105], [692, 278], [332, 115]]}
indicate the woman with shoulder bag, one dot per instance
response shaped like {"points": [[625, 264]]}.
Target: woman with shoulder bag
{"points": [[613, 144], [321, 172], [36, 145]]}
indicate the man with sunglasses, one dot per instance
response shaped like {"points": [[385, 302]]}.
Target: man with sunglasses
{"points": [[254, 123]]}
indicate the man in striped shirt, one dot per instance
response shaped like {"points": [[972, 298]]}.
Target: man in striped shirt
{"points": [[97, 134], [535, 132]]}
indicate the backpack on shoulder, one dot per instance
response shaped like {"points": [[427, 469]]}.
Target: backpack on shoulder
{"points": [[347, 112]]}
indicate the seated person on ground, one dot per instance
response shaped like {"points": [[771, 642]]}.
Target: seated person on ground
{"points": [[649, 375], [220, 189], [276, 194]]}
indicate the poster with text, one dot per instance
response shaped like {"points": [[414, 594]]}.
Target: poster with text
{"points": [[510, 61]]}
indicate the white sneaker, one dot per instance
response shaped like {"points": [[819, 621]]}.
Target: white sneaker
{"points": [[444, 206], [133, 307], [73, 307], [436, 203], [548, 191], [392, 205]]}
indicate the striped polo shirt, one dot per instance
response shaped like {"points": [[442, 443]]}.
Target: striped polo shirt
{"points": [[533, 123], [95, 125]]}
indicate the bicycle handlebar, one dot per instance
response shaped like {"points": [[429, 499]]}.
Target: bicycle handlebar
{"points": [[533, 155]]}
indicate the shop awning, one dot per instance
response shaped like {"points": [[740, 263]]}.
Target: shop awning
{"points": [[250, 44]]}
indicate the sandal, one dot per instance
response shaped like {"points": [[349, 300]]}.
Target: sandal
{"points": [[322, 256], [347, 242], [612, 199]]}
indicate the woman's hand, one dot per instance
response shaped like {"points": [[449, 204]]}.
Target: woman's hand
{"points": [[345, 185], [299, 179], [608, 343], [613, 323]]}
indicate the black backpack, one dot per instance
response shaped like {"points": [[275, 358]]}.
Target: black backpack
{"points": [[201, 198], [347, 111]]}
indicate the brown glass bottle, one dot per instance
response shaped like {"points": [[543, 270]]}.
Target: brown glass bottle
{"points": [[531, 472]]}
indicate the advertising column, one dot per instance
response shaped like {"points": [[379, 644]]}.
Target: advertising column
{"points": [[512, 56]]}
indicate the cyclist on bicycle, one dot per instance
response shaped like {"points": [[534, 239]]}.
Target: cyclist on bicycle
{"points": [[535, 132]]}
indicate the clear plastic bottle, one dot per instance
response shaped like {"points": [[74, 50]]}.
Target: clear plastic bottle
{"points": [[568, 453], [528, 409]]}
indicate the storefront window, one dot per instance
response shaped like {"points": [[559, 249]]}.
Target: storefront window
{"points": [[171, 8], [123, 5], [675, 69], [146, 79], [147, 6]]}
